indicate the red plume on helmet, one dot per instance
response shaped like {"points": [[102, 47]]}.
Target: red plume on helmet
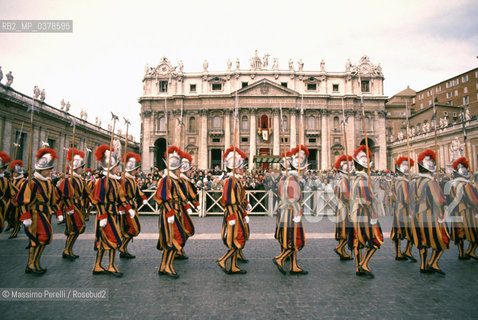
{"points": [[427, 152], [461, 160], [100, 151], [131, 155], [302, 147], [5, 157], [399, 161], [43, 151], [364, 149], [171, 149], [69, 154], [186, 155], [14, 163], [88, 170], [342, 158], [231, 149]]}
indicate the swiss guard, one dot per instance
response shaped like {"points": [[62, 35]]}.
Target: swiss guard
{"points": [[463, 208], [402, 214], [169, 196], [107, 195], [235, 228], [190, 191], [430, 229], [6, 191], [37, 198], [73, 192], [345, 167], [286, 159], [17, 181], [363, 214], [290, 231], [129, 223]]}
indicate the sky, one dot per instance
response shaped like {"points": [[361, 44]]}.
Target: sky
{"points": [[99, 66]]}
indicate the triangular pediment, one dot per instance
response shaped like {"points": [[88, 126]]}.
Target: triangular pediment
{"points": [[265, 87]]}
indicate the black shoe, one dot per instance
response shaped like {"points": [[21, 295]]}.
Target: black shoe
{"points": [[75, 256], [172, 275], [161, 273], [279, 267], [181, 257], [438, 270], [67, 256], [472, 257], [12, 236], [402, 258], [116, 274], [359, 273], [126, 255], [238, 272], [345, 258], [301, 272], [367, 273], [242, 260], [223, 269], [427, 270], [103, 271], [410, 257], [34, 271]]}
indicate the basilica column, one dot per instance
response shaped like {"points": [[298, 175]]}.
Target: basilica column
{"points": [[203, 150], [325, 141], [252, 137], [146, 162], [382, 140], [276, 132], [227, 128], [293, 128]]}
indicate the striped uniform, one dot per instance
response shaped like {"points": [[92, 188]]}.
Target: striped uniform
{"points": [[130, 227], [15, 210], [463, 206], [190, 191], [73, 191], [428, 232], [233, 199], [342, 195], [7, 193], [107, 197]]}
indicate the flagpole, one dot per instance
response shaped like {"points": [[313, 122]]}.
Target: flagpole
{"points": [[408, 144], [283, 140], [125, 146], [17, 144], [436, 141], [466, 145], [344, 121], [30, 149], [73, 124], [167, 135], [114, 118], [365, 133]]}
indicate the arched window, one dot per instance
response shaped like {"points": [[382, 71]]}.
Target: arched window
{"points": [[216, 122], [336, 123], [244, 123], [311, 123], [264, 122], [162, 124], [192, 124]]}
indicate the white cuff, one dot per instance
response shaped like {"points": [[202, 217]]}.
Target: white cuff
{"points": [[198, 208], [441, 220], [121, 212], [27, 222], [131, 213], [232, 222], [247, 219], [249, 207], [296, 219], [103, 222], [476, 216], [189, 211], [60, 218], [373, 221], [145, 201], [171, 220], [70, 212]]}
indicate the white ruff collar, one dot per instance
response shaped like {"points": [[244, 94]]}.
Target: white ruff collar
{"points": [[18, 177], [128, 175], [113, 176], [2, 174], [361, 173], [235, 175], [172, 175], [40, 177], [76, 175], [461, 180], [185, 177], [425, 175]]}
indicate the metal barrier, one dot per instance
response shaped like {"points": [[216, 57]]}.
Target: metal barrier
{"points": [[263, 202]]}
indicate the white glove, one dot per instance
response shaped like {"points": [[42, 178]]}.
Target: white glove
{"points": [[389, 194], [145, 201], [27, 222], [198, 208], [171, 220], [103, 222], [476, 216], [249, 207], [373, 221], [247, 219], [131, 213], [189, 211], [121, 212], [441, 220], [60, 218], [70, 212], [232, 222], [296, 219]]}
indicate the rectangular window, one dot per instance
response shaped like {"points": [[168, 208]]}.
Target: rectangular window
{"points": [[216, 86], [335, 88], [284, 84], [312, 140], [312, 86], [245, 84], [466, 100], [163, 86], [456, 82], [365, 86], [429, 102], [51, 143], [450, 102], [465, 90], [420, 96], [216, 139], [244, 139], [421, 105], [192, 88], [413, 100], [445, 113], [449, 94], [456, 93], [464, 78]]}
